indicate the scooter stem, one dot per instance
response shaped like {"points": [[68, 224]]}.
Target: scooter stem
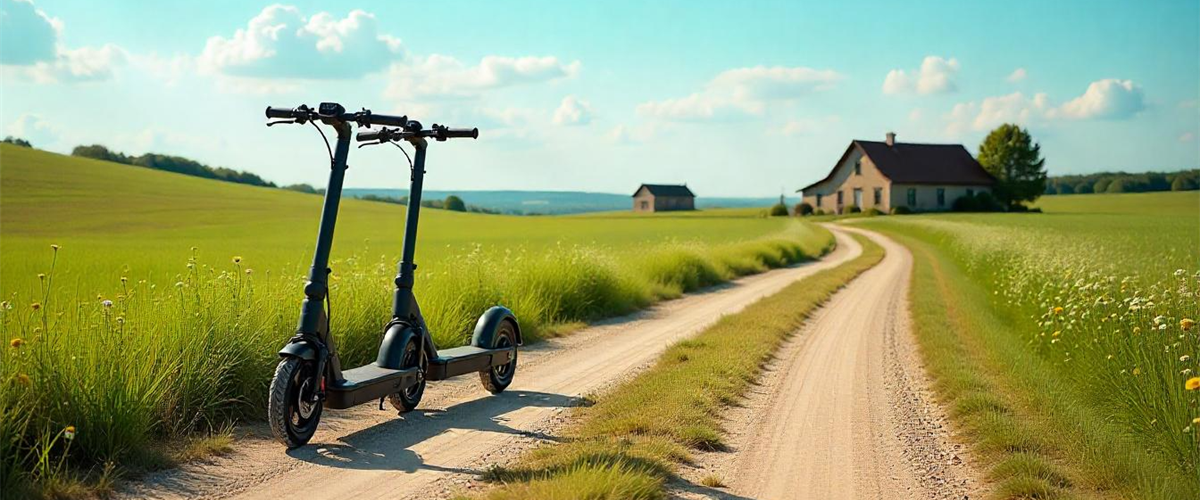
{"points": [[317, 287], [404, 306]]}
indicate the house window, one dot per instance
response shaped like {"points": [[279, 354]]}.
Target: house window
{"points": [[912, 197], [819, 200], [839, 199], [941, 195], [858, 197], [878, 196], [858, 166]]}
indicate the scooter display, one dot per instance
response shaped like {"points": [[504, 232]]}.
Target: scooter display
{"points": [[309, 376]]}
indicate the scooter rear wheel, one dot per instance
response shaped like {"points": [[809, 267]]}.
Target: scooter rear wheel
{"points": [[292, 413], [497, 378], [407, 400]]}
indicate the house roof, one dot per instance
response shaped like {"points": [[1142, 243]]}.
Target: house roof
{"points": [[908, 163], [666, 190]]}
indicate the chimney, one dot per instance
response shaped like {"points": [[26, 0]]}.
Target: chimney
{"points": [[891, 139]]}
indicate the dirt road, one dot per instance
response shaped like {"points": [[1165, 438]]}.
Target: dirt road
{"points": [[844, 411], [459, 430]]}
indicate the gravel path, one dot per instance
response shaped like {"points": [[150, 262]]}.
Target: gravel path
{"points": [[844, 410]]}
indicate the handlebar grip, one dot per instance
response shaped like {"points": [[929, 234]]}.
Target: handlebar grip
{"points": [[273, 112], [372, 135], [472, 133], [389, 120]]}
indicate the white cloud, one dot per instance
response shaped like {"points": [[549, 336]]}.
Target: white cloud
{"points": [[447, 77], [935, 76], [1017, 75], [573, 111], [916, 114], [742, 91], [30, 42], [1105, 99], [281, 43], [993, 111], [34, 129]]}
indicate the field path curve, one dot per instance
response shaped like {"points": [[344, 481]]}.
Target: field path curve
{"points": [[459, 430], [844, 410]]}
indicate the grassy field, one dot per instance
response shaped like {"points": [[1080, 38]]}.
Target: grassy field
{"points": [[627, 443], [143, 307], [1064, 342]]}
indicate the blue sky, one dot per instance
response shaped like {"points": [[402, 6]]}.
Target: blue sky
{"points": [[735, 101]]}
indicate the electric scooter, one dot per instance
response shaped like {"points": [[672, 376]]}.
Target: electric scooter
{"points": [[309, 376]]}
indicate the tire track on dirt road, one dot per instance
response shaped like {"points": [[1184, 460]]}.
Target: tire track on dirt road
{"points": [[844, 409], [460, 430]]}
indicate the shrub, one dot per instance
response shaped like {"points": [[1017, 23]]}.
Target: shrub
{"points": [[454, 203], [987, 202], [853, 209], [901, 210], [874, 211], [819, 212], [805, 209], [779, 210]]}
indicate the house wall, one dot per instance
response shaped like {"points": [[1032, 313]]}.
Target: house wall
{"points": [[669, 203], [926, 195], [845, 180], [643, 201]]}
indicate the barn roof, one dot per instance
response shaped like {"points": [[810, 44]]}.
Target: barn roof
{"points": [[666, 190], [909, 163]]}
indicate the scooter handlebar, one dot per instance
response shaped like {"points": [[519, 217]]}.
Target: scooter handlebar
{"points": [[444, 133], [274, 112], [374, 135]]}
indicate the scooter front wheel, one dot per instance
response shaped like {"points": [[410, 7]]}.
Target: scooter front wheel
{"points": [[407, 399], [291, 409], [497, 378]]}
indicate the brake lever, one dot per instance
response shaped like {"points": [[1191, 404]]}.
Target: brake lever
{"points": [[365, 144], [281, 121]]}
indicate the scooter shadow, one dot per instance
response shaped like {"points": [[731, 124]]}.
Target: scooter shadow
{"points": [[386, 446]]}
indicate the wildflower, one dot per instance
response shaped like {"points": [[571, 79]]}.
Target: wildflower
{"points": [[1137, 330], [1196, 420], [1056, 333], [42, 276], [121, 320], [237, 259], [179, 284], [22, 379], [249, 271], [1184, 358], [1186, 324], [1137, 371], [124, 279], [17, 343], [54, 247], [5, 305], [69, 432], [106, 303], [35, 306], [1058, 310], [1192, 384]]}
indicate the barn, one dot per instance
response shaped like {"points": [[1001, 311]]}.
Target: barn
{"points": [[663, 198]]}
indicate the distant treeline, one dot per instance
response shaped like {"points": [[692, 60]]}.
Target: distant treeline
{"points": [[177, 164], [1122, 182], [452, 203], [17, 141]]}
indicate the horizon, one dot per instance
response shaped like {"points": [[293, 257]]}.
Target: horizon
{"points": [[560, 98]]}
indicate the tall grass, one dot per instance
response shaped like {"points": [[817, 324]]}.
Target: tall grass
{"points": [[146, 364]]}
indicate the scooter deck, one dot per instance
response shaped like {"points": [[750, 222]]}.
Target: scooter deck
{"points": [[467, 359], [367, 383]]}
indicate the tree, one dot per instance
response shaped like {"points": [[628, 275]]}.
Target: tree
{"points": [[454, 203], [1011, 156], [778, 210], [17, 141], [1101, 185]]}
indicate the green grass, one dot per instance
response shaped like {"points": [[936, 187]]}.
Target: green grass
{"points": [[146, 307], [626, 445], [1168, 202], [1083, 401]]}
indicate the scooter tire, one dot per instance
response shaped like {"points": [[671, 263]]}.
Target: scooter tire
{"points": [[293, 421], [408, 399], [497, 378]]}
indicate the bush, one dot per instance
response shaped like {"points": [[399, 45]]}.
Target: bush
{"points": [[778, 210], [804, 209], [853, 209], [874, 211], [454, 203], [819, 212], [901, 210], [987, 202], [965, 204]]}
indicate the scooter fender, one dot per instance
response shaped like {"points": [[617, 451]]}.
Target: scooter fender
{"points": [[302, 350], [391, 351], [489, 322]]}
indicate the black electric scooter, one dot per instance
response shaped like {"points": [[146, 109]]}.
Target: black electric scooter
{"points": [[310, 377]]}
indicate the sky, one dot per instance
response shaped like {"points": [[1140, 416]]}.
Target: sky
{"points": [[746, 99]]}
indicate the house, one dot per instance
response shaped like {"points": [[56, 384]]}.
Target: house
{"points": [[663, 198], [890, 174]]}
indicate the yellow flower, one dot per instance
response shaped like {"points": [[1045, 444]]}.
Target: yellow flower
{"points": [[1196, 420], [35, 306], [1137, 371], [69, 432], [23, 379], [237, 259], [54, 247], [17, 343], [1056, 333], [1186, 324], [1058, 310], [1192, 384]]}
